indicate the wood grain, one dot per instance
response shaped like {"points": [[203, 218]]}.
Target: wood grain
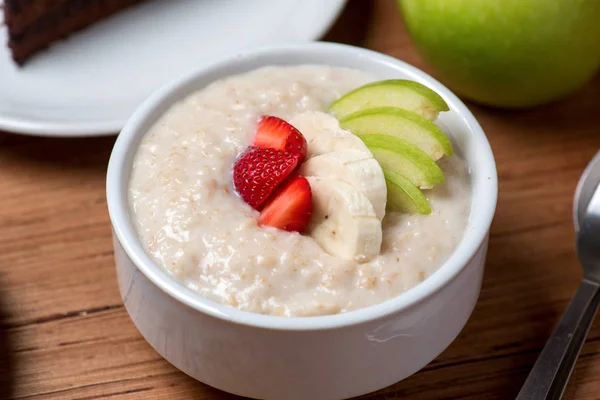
{"points": [[65, 335]]}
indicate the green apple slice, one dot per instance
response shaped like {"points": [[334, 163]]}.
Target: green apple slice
{"points": [[403, 124], [403, 196], [401, 93], [405, 159]]}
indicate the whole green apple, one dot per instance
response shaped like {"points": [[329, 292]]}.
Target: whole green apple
{"points": [[507, 53]]}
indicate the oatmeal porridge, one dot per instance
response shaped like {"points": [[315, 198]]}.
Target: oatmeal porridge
{"points": [[193, 223]]}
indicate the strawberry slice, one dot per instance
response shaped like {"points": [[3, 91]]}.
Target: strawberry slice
{"points": [[258, 172], [290, 207], [275, 133]]}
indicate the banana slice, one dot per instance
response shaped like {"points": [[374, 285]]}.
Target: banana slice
{"points": [[343, 221], [324, 135], [354, 167]]}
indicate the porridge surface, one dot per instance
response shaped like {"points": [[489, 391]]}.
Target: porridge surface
{"points": [[193, 224]]}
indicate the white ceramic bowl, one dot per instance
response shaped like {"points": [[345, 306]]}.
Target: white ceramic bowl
{"points": [[325, 357]]}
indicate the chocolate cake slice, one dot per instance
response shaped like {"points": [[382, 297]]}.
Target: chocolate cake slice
{"points": [[35, 24]]}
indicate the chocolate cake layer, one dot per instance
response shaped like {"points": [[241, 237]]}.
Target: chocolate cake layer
{"points": [[19, 14], [28, 34]]}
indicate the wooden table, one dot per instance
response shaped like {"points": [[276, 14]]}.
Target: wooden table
{"points": [[66, 335]]}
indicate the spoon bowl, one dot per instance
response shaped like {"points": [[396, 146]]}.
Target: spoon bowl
{"points": [[589, 181], [587, 220]]}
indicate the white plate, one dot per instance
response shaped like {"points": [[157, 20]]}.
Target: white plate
{"points": [[90, 83]]}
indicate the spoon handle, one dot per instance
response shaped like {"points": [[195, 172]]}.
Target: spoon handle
{"points": [[564, 372], [549, 376]]}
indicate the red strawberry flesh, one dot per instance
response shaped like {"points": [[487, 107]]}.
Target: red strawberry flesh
{"points": [[290, 207], [275, 133], [259, 171]]}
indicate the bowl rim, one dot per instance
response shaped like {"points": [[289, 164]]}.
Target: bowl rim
{"points": [[118, 207]]}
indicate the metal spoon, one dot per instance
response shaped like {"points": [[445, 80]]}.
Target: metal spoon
{"points": [[549, 376]]}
